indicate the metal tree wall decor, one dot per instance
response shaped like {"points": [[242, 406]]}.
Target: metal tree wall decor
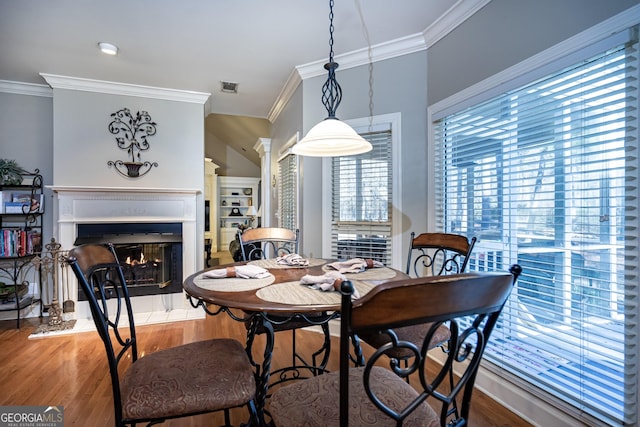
{"points": [[134, 132]]}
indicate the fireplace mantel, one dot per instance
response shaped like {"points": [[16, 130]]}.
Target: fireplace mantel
{"points": [[81, 189]]}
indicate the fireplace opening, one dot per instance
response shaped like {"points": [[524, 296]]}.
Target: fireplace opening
{"points": [[150, 254]]}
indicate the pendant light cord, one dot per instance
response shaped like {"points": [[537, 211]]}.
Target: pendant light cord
{"points": [[331, 31], [365, 32]]}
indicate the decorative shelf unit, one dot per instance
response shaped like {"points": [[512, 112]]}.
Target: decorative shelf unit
{"points": [[20, 242], [235, 196]]}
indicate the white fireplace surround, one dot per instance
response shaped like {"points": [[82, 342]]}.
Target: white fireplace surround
{"points": [[99, 205]]}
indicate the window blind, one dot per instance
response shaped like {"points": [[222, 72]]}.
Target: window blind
{"points": [[361, 201], [546, 176], [288, 191]]}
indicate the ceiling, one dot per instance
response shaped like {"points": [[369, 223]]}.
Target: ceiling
{"points": [[193, 45]]}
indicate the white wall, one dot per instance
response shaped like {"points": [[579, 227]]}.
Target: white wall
{"points": [[82, 143]]}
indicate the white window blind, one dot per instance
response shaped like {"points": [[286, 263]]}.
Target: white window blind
{"points": [[288, 191], [361, 204], [546, 176]]}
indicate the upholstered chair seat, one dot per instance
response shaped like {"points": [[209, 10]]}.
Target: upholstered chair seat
{"points": [[315, 402], [193, 378]]}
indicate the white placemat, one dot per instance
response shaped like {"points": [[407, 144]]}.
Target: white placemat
{"points": [[296, 294], [232, 284], [379, 273]]}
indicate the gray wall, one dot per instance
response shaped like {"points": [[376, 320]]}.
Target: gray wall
{"points": [[26, 124], [399, 86], [282, 130], [505, 32]]}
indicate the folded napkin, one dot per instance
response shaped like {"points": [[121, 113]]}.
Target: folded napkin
{"points": [[241, 271], [355, 265], [330, 281], [292, 259]]}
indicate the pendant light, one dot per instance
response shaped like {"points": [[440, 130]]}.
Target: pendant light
{"points": [[331, 137]]}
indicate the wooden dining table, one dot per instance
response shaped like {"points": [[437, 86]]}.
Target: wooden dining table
{"points": [[276, 302]]}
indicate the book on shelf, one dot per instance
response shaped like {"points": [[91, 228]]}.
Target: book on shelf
{"points": [[23, 203], [19, 242]]}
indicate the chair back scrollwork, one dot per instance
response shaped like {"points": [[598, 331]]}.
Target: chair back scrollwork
{"points": [[376, 392], [438, 254], [268, 242]]}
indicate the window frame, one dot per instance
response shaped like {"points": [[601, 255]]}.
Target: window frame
{"points": [[588, 43], [362, 125], [295, 192]]}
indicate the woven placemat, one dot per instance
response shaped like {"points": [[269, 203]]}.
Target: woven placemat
{"points": [[232, 284], [272, 263], [296, 294], [378, 273]]}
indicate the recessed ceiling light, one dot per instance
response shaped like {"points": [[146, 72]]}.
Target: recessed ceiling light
{"points": [[229, 87], [108, 48]]}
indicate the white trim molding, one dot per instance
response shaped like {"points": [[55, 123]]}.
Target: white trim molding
{"points": [[21, 88], [457, 14], [114, 88], [263, 148]]}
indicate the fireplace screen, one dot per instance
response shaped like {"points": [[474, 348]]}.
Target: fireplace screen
{"points": [[150, 254], [146, 264]]}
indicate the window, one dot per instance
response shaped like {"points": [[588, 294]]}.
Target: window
{"points": [[546, 176], [288, 191], [361, 219]]}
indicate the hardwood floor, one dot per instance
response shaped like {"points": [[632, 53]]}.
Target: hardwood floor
{"points": [[71, 370]]}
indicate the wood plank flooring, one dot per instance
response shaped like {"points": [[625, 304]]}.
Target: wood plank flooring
{"points": [[71, 370]]}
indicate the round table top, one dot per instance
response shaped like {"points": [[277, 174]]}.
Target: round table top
{"points": [[282, 291]]}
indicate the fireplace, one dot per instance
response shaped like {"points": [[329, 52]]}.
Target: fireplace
{"points": [[150, 254], [132, 218]]}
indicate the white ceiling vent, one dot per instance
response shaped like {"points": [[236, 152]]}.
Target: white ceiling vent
{"points": [[229, 87]]}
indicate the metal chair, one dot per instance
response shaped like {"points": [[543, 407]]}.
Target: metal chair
{"points": [[271, 242], [190, 379], [378, 395], [438, 253], [430, 254], [268, 242]]}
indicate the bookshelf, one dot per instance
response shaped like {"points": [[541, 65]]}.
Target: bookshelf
{"points": [[236, 195], [21, 210]]}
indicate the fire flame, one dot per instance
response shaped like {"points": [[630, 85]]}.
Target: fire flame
{"points": [[135, 261]]}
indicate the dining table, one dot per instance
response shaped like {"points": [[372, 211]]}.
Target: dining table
{"points": [[276, 300]]}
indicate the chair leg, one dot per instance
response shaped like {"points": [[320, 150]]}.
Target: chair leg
{"points": [[358, 357], [325, 350], [294, 354]]}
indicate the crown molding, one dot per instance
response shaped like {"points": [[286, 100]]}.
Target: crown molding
{"points": [[453, 17], [125, 89], [379, 52], [20, 88], [456, 15], [285, 95]]}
